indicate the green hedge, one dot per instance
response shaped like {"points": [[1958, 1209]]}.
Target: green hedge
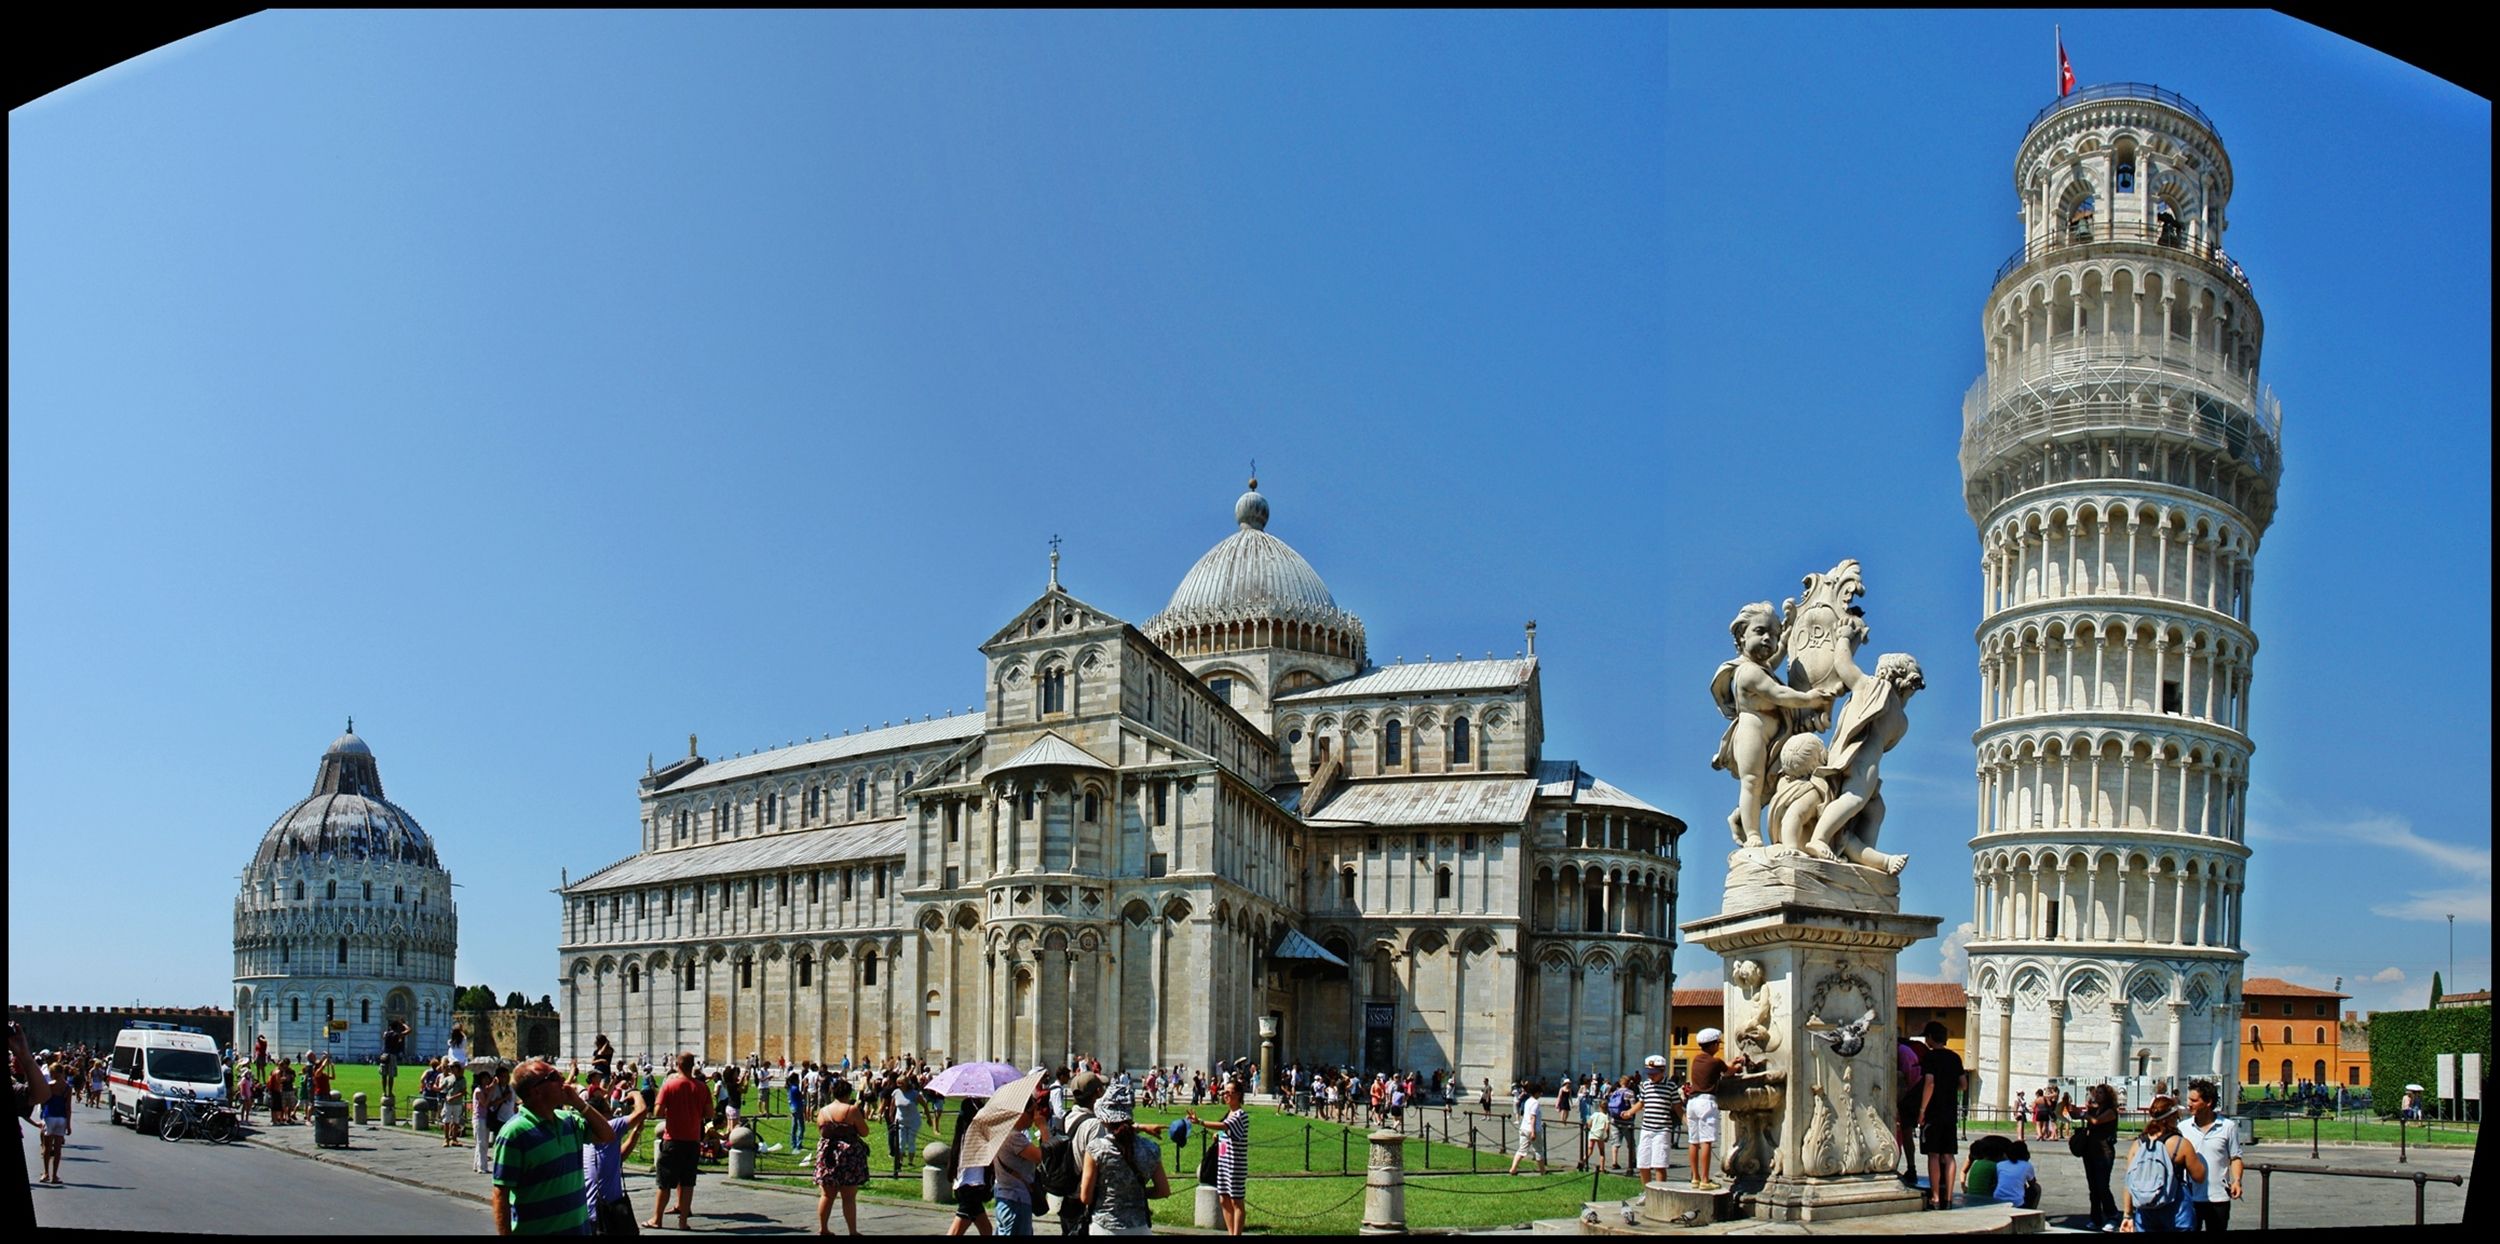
{"points": [[2403, 1044]]}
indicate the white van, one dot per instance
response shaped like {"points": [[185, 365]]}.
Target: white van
{"points": [[152, 1061]]}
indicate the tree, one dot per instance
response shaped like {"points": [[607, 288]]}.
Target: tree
{"points": [[515, 1001], [2435, 990], [475, 998]]}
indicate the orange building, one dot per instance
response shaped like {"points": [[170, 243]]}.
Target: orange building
{"points": [[2290, 1033], [1915, 1003]]}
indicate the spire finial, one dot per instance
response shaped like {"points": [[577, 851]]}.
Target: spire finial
{"points": [[1054, 559], [351, 723], [1254, 475], [1532, 637], [690, 751]]}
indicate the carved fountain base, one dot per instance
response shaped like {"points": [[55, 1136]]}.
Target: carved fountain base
{"points": [[1812, 949]]}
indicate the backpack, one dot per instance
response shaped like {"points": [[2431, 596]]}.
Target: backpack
{"points": [[2152, 1180], [1060, 1175]]}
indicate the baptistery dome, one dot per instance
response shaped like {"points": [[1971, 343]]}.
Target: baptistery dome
{"points": [[347, 816]]}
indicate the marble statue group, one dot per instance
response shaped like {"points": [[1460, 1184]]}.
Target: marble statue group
{"points": [[1822, 800]]}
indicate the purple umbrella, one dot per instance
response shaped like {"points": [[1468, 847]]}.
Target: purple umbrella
{"points": [[974, 1079]]}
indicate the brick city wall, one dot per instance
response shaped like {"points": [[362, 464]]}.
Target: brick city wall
{"points": [[55, 1027], [513, 1032]]}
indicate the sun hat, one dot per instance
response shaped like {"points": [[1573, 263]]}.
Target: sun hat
{"points": [[1653, 1061], [1118, 1106], [1707, 1036]]}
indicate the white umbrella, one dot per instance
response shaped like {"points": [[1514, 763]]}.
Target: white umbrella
{"points": [[997, 1117], [2413, 1088]]}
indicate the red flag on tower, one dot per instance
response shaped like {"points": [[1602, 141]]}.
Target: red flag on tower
{"points": [[2065, 71]]}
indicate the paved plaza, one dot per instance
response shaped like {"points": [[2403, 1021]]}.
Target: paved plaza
{"points": [[393, 1181]]}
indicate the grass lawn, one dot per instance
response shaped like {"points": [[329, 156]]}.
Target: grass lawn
{"points": [[1283, 1198]]}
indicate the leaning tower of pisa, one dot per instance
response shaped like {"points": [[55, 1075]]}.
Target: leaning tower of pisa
{"points": [[2120, 458]]}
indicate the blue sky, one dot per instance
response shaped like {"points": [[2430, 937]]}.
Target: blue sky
{"points": [[540, 387]]}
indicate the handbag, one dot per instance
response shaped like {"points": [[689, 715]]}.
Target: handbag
{"points": [[1206, 1159], [2080, 1144]]}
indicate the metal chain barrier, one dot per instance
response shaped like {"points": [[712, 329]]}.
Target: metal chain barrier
{"points": [[1252, 1207], [1413, 1184]]}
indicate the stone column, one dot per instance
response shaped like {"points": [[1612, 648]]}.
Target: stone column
{"points": [[1384, 1185], [1070, 995], [2005, 1052], [2118, 1036], [2170, 1053], [2057, 1038]]}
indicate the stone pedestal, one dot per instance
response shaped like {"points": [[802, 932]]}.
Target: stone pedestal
{"points": [[1665, 1204], [361, 1120], [1384, 1185], [390, 1110], [1812, 1005], [1210, 1215]]}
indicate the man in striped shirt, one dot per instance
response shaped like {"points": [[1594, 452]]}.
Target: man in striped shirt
{"points": [[538, 1155], [1656, 1110]]}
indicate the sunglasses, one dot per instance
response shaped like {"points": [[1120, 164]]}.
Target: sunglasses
{"points": [[544, 1077]]}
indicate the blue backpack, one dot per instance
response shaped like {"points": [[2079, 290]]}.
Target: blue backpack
{"points": [[2155, 1183]]}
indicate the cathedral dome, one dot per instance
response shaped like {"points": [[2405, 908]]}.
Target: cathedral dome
{"points": [[1253, 577], [346, 816]]}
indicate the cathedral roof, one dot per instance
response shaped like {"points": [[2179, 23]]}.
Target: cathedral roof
{"points": [[1565, 779], [1051, 751], [953, 729], [804, 848], [1506, 674], [346, 816], [1250, 576], [1489, 800]]}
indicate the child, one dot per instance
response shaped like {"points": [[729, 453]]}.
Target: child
{"points": [[2017, 1183]]}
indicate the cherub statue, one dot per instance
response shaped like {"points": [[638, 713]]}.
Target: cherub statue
{"points": [[1750, 695], [1754, 1034], [1875, 720], [1800, 797]]}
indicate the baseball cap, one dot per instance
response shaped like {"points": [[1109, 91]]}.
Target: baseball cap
{"points": [[1706, 1036], [1085, 1086]]}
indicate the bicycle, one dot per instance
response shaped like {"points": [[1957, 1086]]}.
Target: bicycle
{"points": [[215, 1120]]}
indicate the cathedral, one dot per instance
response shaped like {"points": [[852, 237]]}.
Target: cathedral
{"points": [[1152, 844]]}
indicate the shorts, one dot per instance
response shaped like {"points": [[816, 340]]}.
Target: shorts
{"points": [[969, 1201], [1653, 1149], [615, 1218], [1532, 1145], [1701, 1118], [54, 1125], [677, 1162], [1012, 1217], [1936, 1138]]}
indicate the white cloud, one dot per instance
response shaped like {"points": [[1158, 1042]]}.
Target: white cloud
{"points": [[2388, 975], [2390, 835], [2435, 906], [1953, 954]]}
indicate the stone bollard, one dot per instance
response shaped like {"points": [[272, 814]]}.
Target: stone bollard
{"points": [[361, 1120], [390, 1110], [742, 1147], [423, 1117], [1384, 1185], [1210, 1211], [933, 1187]]}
